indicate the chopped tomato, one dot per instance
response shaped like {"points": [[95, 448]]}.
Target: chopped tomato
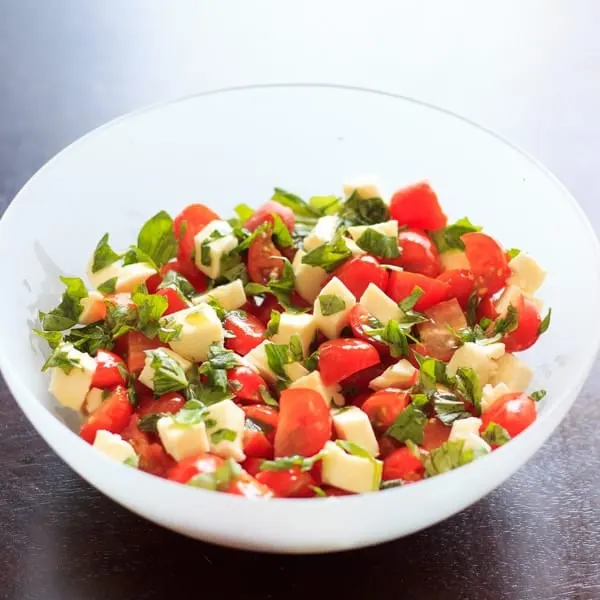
{"points": [[107, 373], [461, 284], [175, 301], [437, 334], [402, 464], [248, 487], [252, 465], [249, 332], [167, 403], [435, 434], [357, 273], [387, 445], [189, 222], [266, 416], [359, 322], [257, 445], [292, 483], [419, 254], [487, 309], [402, 283], [270, 303], [197, 464], [527, 331], [113, 415], [416, 348], [265, 214], [264, 260], [246, 384], [340, 358], [304, 423], [384, 406], [186, 269], [515, 412], [488, 262], [418, 207], [137, 344], [353, 386]]}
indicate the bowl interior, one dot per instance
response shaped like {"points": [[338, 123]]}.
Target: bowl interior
{"points": [[226, 148]]}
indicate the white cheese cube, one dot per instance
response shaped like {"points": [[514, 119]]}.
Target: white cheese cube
{"points": [[468, 431], [347, 472], [526, 273], [128, 277], [93, 400], [365, 187], [491, 393], [309, 279], [147, 375], [322, 233], [379, 304], [313, 381], [295, 371], [353, 424], [257, 359], [354, 248], [482, 359], [401, 375], [332, 325], [389, 228], [513, 372], [290, 324], [509, 296], [181, 441], [200, 327], [454, 259], [71, 389], [115, 447], [217, 247], [230, 295], [93, 308], [228, 419]]}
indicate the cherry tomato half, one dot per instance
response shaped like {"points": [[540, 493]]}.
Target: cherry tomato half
{"points": [[265, 213], [437, 334], [246, 384], [402, 464], [461, 283], [113, 415], [189, 222], [265, 416], [340, 358], [515, 412], [136, 345], [249, 332], [384, 406], [107, 373], [435, 434], [402, 283], [419, 253], [167, 403], [359, 321], [527, 331], [357, 273], [175, 301], [418, 207], [257, 445], [292, 483], [264, 260], [488, 262]]}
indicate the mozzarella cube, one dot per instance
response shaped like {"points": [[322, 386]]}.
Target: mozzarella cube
{"points": [[389, 228], [309, 279], [365, 188], [128, 277], [354, 247], [347, 472], [509, 296], [93, 308], [313, 381], [513, 372], [482, 359], [257, 359], [379, 304], [322, 233], [290, 324], [71, 389], [491, 393], [217, 247], [147, 375], [454, 259], [526, 273], [181, 441], [401, 375], [332, 325], [115, 447], [230, 295], [226, 416], [468, 431], [200, 327], [295, 371], [93, 400], [353, 424]]}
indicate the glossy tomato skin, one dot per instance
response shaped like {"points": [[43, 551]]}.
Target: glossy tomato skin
{"points": [[189, 222], [418, 207], [291, 483], [357, 273], [175, 301], [249, 332], [515, 412], [257, 445], [167, 403], [488, 262], [136, 345], [304, 423], [265, 213], [340, 358], [487, 309], [113, 415], [437, 334], [252, 466], [246, 384], [434, 435], [186, 269], [264, 259], [359, 322], [264, 415], [527, 332], [384, 406], [461, 284], [108, 373], [419, 253], [401, 464], [402, 283]]}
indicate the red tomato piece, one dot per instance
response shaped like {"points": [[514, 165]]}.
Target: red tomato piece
{"points": [[419, 254], [357, 273], [402, 464], [304, 423], [248, 487], [359, 321], [264, 260], [387, 445], [527, 332], [487, 309], [197, 464], [175, 301], [249, 332], [113, 415], [418, 207], [167, 403], [359, 381], [435, 434], [257, 445], [515, 412], [246, 384], [265, 213], [137, 344], [384, 406], [270, 303], [461, 284], [186, 269], [292, 483], [338, 359], [107, 373], [252, 466], [437, 333], [266, 416], [488, 262], [402, 283], [189, 222]]}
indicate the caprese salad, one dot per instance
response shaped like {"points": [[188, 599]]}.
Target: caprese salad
{"points": [[321, 347]]}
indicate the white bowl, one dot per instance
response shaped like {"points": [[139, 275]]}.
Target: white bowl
{"points": [[234, 146]]}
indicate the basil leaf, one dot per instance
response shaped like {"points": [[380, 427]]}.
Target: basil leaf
{"points": [[149, 422], [312, 362], [329, 256], [169, 375], [192, 413], [273, 324], [378, 244], [507, 323], [468, 386], [325, 205], [231, 268], [168, 329], [244, 212], [281, 288], [545, 323], [157, 238], [223, 435], [246, 238], [109, 286], [449, 238], [512, 252], [331, 304], [408, 303], [287, 462], [219, 480], [176, 281], [448, 456], [150, 308], [137, 255], [448, 408], [495, 435], [318, 492], [408, 425], [90, 338], [299, 206], [296, 352], [472, 305], [104, 255], [431, 372], [281, 234], [278, 355], [67, 313], [391, 483], [267, 398], [60, 359], [363, 211], [219, 358], [538, 395], [54, 338]]}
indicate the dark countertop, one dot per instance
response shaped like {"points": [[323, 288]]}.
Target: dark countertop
{"points": [[529, 70]]}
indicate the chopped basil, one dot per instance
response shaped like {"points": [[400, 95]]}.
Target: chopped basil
{"points": [[408, 425], [109, 286], [90, 338], [149, 423], [476, 334], [230, 269], [545, 323], [468, 386], [223, 435], [192, 413], [176, 281], [168, 329], [507, 323], [281, 288], [299, 206], [220, 479], [296, 352], [157, 239], [395, 337], [495, 434], [137, 255], [448, 408], [288, 462], [244, 212], [219, 358], [378, 244], [67, 313], [448, 456], [169, 375], [266, 397], [318, 492], [329, 256], [104, 255], [363, 211], [325, 205], [331, 304], [205, 256], [448, 239], [54, 338], [278, 355], [273, 324], [391, 483], [312, 362], [60, 359], [512, 253], [150, 308], [431, 372], [408, 303], [132, 461], [471, 312], [281, 234], [246, 238], [538, 395]]}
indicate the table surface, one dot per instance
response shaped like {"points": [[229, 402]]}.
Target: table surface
{"points": [[529, 69]]}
